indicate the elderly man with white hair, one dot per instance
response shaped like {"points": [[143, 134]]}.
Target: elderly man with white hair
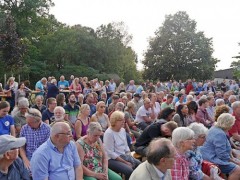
{"points": [[231, 99], [11, 166]]}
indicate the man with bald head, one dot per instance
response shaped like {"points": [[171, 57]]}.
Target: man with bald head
{"points": [[57, 158], [160, 159]]}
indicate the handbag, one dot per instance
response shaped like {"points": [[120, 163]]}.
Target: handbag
{"points": [[212, 170]]}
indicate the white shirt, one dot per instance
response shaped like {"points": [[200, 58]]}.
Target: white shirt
{"points": [[142, 111]]}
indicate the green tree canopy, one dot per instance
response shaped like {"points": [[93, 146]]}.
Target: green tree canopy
{"points": [[178, 51]]}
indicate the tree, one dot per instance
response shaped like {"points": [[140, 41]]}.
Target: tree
{"points": [[178, 51], [12, 49], [236, 66]]}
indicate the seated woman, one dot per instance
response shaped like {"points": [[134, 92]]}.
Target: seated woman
{"points": [[39, 104], [116, 147], [82, 122], [100, 116], [128, 115], [156, 105], [76, 87], [93, 156], [183, 140], [217, 148], [180, 116], [194, 156], [61, 100], [21, 92], [166, 115], [192, 111]]}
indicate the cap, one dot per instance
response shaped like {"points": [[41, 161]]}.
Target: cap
{"points": [[8, 142], [137, 95]]}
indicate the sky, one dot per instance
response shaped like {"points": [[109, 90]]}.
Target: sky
{"points": [[218, 19]]}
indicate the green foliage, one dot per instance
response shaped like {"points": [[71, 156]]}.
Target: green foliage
{"points": [[179, 52], [52, 48], [236, 67]]}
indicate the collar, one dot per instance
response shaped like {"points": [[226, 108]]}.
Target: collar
{"points": [[159, 173]]}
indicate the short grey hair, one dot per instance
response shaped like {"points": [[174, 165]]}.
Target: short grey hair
{"points": [[189, 97], [59, 108], [181, 134], [219, 102], [23, 102], [36, 114], [58, 128], [235, 105], [198, 129], [225, 121], [94, 126], [231, 97]]}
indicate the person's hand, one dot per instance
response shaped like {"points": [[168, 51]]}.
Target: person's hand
{"points": [[27, 163], [129, 164], [101, 176]]}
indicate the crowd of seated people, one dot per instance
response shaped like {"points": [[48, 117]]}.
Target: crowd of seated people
{"points": [[107, 122]]}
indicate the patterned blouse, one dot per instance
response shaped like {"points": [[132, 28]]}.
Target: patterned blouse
{"points": [[93, 156], [195, 164]]}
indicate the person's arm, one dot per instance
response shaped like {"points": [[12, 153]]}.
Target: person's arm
{"points": [[108, 122], [93, 118], [78, 129], [78, 172], [16, 97], [12, 130], [236, 136], [24, 157]]}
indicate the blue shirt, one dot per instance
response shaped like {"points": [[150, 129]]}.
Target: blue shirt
{"points": [[39, 85], [63, 84], [5, 124], [16, 171], [48, 162]]}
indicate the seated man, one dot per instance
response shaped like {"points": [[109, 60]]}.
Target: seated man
{"points": [[61, 160], [145, 114], [11, 166], [36, 133], [155, 130], [160, 158]]}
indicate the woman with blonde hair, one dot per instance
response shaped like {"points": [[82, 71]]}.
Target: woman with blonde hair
{"points": [[76, 87], [121, 88], [116, 147], [82, 121], [217, 148], [100, 116]]}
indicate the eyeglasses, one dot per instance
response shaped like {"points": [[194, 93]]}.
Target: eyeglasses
{"points": [[202, 137], [102, 106]]}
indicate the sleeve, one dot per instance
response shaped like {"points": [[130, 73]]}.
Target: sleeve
{"points": [[44, 116], [176, 118], [11, 120], [76, 157], [16, 121], [109, 146], [221, 146], [66, 109], [234, 129], [22, 169], [39, 166]]}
